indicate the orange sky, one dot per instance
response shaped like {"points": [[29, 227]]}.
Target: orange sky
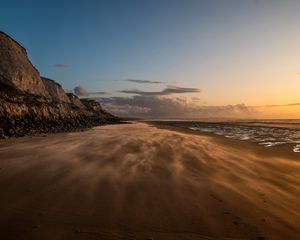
{"points": [[168, 58]]}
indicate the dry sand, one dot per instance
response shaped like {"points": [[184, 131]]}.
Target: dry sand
{"points": [[136, 181]]}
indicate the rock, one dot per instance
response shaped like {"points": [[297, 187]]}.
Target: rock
{"points": [[15, 68], [32, 105], [55, 90], [77, 104]]}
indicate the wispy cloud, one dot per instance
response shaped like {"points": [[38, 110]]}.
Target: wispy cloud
{"points": [[98, 93], [281, 105], [166, 91], [293, 104], [144, 81], [61, 65]]}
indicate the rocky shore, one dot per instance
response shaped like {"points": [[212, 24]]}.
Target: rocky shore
{"points": [[31, 104]]}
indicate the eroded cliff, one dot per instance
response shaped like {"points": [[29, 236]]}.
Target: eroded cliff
{"points": [[55, 90], [30, 104], [15, 68]]}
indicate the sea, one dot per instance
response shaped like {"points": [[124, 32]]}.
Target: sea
{"points": [[267, 133]]}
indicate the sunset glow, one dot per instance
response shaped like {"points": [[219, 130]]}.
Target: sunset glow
{"points": [[150, 119], [235, 52]]}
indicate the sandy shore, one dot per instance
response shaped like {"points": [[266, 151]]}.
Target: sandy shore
{"points": [[137, 181]]}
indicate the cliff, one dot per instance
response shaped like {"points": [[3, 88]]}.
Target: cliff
{"points": [[55, 90], [16, 70], [32, 104]]}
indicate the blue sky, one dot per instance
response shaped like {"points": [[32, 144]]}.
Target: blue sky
{"points": [[231, 50]]}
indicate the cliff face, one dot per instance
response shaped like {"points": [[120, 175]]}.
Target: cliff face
{"points": [[55, 90], [30, 104], [16, 69], [75, 100]]}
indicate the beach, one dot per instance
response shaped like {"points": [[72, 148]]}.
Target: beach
{"points": [[139, 181]]}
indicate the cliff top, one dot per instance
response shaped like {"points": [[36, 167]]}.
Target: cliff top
{"points": [[48, 79], [9, 37]]}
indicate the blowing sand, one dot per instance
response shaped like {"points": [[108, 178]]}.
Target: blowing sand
{"points": [[137, 181]]}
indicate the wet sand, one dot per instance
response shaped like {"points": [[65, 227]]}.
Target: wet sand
{"points": [[278, 125], [136, 181]]}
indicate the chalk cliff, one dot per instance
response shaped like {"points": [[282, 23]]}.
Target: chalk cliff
{"points": [[16, 70], [55, 90], [31, 104]]}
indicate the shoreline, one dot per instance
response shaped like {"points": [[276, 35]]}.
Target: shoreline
{"points": [[283, 151]]}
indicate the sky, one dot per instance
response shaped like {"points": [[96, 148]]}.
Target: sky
{"points": [[167, 58]]}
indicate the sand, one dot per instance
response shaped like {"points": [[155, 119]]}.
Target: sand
{"points": [[136, 181]]}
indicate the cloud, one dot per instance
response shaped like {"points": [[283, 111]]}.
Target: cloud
{"points": [[61, 65], [98, 93], [166, 91], [126, 110], [293, 104], [196, 99], [144, 81], [168, 104], [162, 107], [81, 91], [274, 105], [281, 105]]}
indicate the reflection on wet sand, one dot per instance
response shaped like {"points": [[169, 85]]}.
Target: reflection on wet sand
{"points": [[264, 134], [139, 182]]}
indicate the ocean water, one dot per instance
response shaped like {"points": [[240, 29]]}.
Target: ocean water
{"points": [[267, 136]]}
